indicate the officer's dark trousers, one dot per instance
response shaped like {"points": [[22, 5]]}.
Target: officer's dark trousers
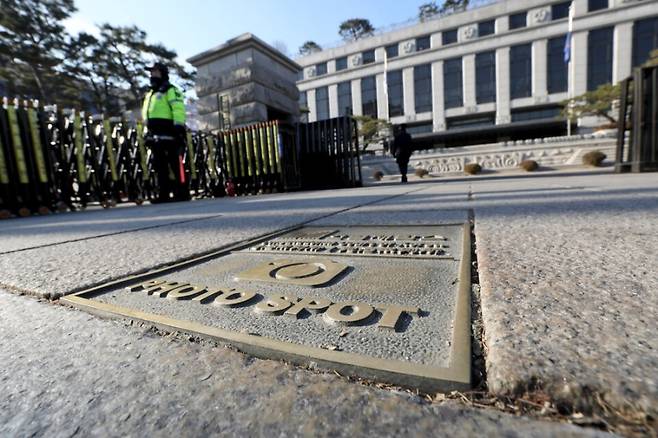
{"points": [[166, 163]]}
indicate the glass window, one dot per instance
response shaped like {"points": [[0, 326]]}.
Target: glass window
{"points": [[321, 69], [471, 121], [599, 57], [421, 128], [486, 28], [423, 43], [449, 37], [560, 10], [525, 114], [595, 5], [344, 98], [423, 88], [341, 63], [368, 57], [395, 93], [645, 39], [517, 21], [392, 51], [485, 77], [300, 75], [557, 70], [322, 103], [369, 96], [520, 71], [452, 83]]}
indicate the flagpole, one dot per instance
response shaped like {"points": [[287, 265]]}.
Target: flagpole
{"points": [[571, 68]]}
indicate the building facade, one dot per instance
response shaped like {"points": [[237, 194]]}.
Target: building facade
{"points": [[244, 81], [497, 68]]}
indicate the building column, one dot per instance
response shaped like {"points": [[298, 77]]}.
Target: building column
{"points": [[408, 91], [438, 108], [357, 106], [540, 68], [502, 24], [312, 109], [468, 76], [503, 114], [382, 104], [333, 100], [622, 58], [578, 78], [581, 7]]}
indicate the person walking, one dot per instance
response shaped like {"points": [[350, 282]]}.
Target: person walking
{"points": [[402, 150], [163, 112]]}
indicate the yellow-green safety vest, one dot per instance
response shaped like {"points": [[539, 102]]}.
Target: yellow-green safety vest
{"points": [[167, 105]]}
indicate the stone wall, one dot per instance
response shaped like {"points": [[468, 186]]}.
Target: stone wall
{"points": [[548, 152]]}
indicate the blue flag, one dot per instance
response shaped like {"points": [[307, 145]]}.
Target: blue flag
{"points": [[567, 49]]}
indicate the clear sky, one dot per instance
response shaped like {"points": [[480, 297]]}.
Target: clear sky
{"points": [[192, 26]]}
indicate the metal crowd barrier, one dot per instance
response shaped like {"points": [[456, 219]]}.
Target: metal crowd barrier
{"points": [[53, 160], [58, 160]]}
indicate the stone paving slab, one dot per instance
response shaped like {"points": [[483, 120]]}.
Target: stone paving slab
{"points": [[53, 271], [35, 233], [69, 373], [568, 280], [567, 268]]}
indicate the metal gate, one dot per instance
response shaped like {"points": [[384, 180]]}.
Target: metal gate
{"points": [[639, 112], [329, 154]]}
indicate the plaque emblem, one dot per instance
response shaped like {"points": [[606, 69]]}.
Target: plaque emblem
{"points": [[313, 273]]}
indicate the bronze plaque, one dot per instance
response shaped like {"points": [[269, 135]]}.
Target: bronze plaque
{"points": [[296, 271], [385, 303]]}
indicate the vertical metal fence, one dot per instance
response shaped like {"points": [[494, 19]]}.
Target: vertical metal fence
{"points": [[58, 160], [638, 112]]}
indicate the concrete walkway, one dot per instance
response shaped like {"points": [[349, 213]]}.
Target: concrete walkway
{"points": [[567, 276]]}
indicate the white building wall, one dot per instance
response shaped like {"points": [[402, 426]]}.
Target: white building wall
{"points": [[382, 106], [539, 68], [438, 111], [623, 51], [468, 76], [408, 91], [356, 98], [333, 100], [540, 27], [503, 115]]}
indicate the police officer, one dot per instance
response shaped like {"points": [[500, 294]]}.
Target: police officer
{"points": [[163, 112]]}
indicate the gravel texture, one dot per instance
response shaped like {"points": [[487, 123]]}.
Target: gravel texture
{"points": [[68, 373]]}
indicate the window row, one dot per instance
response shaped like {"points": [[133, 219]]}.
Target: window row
{"points": [[450, 36], [599, 71]]}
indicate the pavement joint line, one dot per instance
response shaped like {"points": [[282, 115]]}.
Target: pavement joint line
{"points": [[202, 256], [132, 230]]}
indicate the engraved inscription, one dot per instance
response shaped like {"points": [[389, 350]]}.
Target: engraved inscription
{"points": [[341, 313], [349, 244]]}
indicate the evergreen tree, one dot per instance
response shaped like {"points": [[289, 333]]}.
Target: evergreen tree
{"points": [[427, 10], [32, 40], [309, 47], [355, 28]]}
